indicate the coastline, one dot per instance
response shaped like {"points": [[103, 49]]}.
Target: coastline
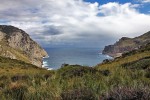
{"points": [[45, 63], [107, 55], [46, 56]]}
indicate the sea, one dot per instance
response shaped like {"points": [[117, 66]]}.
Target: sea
{"points": [[77, 55]]}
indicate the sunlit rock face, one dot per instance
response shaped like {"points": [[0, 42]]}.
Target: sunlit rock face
{"points": [[17, 44]]}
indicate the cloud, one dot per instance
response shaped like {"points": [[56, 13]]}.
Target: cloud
{"points": [[145, 1], [74, 21]]}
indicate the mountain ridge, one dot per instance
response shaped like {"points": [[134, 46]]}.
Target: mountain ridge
{"points": [[126, 44]]}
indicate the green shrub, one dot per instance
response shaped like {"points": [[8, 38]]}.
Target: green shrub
{"points": [[78, 94], [127, 93], [3, 77], [143, 63], [69, 72], [19, 77], [147, 75], [17, 92], [105, 72]]}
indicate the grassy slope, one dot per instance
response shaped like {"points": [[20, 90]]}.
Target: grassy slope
{"points": [[126, 77]]}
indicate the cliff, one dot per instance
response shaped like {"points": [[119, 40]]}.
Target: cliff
{"points": [[128, 75], [126, 44], [17, 44]]}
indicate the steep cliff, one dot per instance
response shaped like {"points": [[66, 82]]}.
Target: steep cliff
{"points": [[126, 44], [17, 44]]}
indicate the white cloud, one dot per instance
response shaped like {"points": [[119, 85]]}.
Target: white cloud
{"points": [[145, 1], [74, 21]]}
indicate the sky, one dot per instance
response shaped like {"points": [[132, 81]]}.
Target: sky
{"points": [[77, 23]]}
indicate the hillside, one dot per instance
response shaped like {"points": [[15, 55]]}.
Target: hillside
{"points": [[17, 44], [126, 44], [124, 78]]}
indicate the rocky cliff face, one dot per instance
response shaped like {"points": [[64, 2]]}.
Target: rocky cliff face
{"points": [[126, 44], [17, 44]]}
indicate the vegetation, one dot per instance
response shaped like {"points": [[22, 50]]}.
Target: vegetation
{"points": [[124, 78]]}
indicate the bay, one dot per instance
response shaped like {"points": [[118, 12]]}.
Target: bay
{"points": [[81, 56]]}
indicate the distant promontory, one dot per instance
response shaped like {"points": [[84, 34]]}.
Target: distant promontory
{"points": [[126, 44]]}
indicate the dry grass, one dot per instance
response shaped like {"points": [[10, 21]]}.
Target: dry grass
{"points": [[23, 81]]}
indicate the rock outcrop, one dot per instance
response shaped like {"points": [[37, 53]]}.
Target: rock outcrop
{"points": [[126, 44], [17, 44]]}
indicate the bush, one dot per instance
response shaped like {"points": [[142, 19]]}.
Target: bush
{"points": [[129, 53], [48, 75], [77, 71], [147, 75], [105, 72], [78, 94], [19, 77], [16, 92], [107, 61], [3, 77], [127, 93], [143, 63]]}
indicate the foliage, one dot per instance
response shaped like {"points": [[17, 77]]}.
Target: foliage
{"points": [[127, 93], [127, 77]]}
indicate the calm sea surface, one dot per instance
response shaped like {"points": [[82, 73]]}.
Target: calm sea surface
{"points": [[81, 56]]}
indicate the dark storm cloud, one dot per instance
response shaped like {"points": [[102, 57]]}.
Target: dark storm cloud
{"points": [[52, 30]]}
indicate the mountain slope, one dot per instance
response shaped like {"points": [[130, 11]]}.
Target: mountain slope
{"points": [[17, 44], [124, 78], [131, 56], [126, 44]]}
